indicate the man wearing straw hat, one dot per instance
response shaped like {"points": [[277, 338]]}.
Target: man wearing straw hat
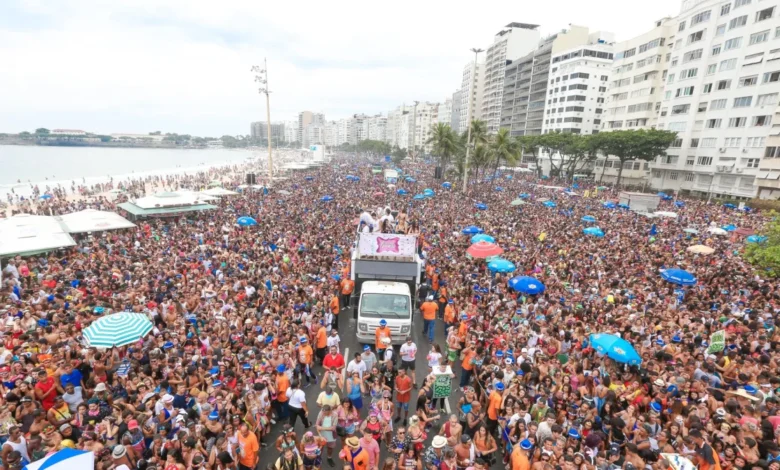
{"points": [[354, 455]]}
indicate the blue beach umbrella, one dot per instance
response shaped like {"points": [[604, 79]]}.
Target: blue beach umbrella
{"points": [[679, 203], [588, 218], [428, 192], [549, 204], [678, 276], [624, 206], [402, 192], [524, 196], [594, 231], [729, 227], [526, 285], [471, 230], [309, 178], [501, 265], [418, 197], [481, 237], [409, 179], [755, 239], [45, 197], [446, 185], [609, 205], [246, 221], [350, 177], [480, 206], [729, 205], [326, 198], [499, 189], [616, 348]]}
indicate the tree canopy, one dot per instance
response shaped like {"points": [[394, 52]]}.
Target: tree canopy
{"points": [[766, 255]]}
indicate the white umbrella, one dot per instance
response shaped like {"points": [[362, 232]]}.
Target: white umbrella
{"points": [[701, 249], [284, 192], [678, 462], [717, 231], [65, 459], [243, 186], [672, 215], [690, 230]]}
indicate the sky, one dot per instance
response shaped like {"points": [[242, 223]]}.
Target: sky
{"points": [[110, 66]]}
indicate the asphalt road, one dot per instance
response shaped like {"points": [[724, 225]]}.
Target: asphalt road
{"points": [[349, 344]]}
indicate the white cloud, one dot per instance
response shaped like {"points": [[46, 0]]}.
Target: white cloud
{"points": [[183, 66]]}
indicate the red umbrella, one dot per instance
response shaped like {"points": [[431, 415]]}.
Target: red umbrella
{"points": [[744, 231], [484, 250]]}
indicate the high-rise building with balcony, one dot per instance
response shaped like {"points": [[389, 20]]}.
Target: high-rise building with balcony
{"points": [[513, 41], [720, 96], [471, 94]]}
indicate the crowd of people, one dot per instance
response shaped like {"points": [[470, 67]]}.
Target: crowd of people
{"points": [[248, 319]]}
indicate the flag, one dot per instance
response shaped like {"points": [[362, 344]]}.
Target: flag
{"points": [[542, 236], [653, 230], [268, 285], [717, 342]]}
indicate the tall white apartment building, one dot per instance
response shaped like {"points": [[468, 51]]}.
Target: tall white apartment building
{"points": [[377, 128], [577, 86], [331, 134], [720, 96], [456, 108], [427, 117], [471, 93], [290, 131], [398, 128], [634, 96], [445, 112], [768, 178], [513, 41]]}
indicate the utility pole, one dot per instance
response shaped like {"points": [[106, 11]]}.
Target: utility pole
{"points": [[413, 152], [261, 76], [468, 119]]}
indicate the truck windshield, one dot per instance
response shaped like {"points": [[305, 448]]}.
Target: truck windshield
{"points": [[384, 306]]}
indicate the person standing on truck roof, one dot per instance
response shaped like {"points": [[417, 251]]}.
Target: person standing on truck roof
{"points": [[346, 285], [383, 331], [429, 309]]}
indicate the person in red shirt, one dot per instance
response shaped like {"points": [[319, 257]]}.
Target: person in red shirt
{"points": [[334, 365], [45, 390], [403, 388]]}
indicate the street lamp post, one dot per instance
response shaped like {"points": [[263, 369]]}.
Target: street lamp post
{"points": [[468, 119], [261, 76]]}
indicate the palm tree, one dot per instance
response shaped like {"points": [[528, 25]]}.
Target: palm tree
{"points": [[480, 158], [479, 135], [504, 148], [445, 143]]}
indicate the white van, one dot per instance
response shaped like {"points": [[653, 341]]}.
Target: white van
{"points": [[388, 300]]}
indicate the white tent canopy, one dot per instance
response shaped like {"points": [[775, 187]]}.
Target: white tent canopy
{"points": [[65, 459], [91, 220], [169, 199], [219, 192], [29, 234]]}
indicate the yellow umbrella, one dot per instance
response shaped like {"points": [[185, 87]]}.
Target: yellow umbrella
{"points": [[701, 249]]}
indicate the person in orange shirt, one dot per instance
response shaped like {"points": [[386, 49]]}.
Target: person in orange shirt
{"points": [[354, 455], [249, 447], [519, 458], [468, 367], [494, 406], [282, 384], [334, 308], [429, 310], [443, 296], [449, 314], [346, 286], [305, 355], [382, 332], [322, 340]]}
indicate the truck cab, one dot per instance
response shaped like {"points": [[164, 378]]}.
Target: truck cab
{"points": [[391, 301]]}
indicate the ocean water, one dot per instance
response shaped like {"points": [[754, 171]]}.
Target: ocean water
{"points": [[22, 165]]}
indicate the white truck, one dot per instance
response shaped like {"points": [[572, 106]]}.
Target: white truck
{"points": [[387, 272]]}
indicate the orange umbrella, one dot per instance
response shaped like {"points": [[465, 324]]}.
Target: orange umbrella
{"points": [[484, 250]]}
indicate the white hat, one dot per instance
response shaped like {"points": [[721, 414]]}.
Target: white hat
{"points": [[439, 442], [101, 387], [167, 398]]}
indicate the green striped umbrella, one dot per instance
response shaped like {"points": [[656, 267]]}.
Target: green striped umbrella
{"points": [[118, 329]]}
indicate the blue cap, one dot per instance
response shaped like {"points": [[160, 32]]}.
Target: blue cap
{"points": [[167, 345], [750, 389], [450, 301], [676, 339], [43, 322], [655, 407], [246, 366], [217, 383], [574, 434], [214, 415], [500, 386], [671, 389], [280, 368], [732, 347], [383, 322], [509, 361], [520, 372], [499, 353], [214, 371], [269, 339], [660, 342], [366, 348], [525, 444], [464, 316], [304, 340]]}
